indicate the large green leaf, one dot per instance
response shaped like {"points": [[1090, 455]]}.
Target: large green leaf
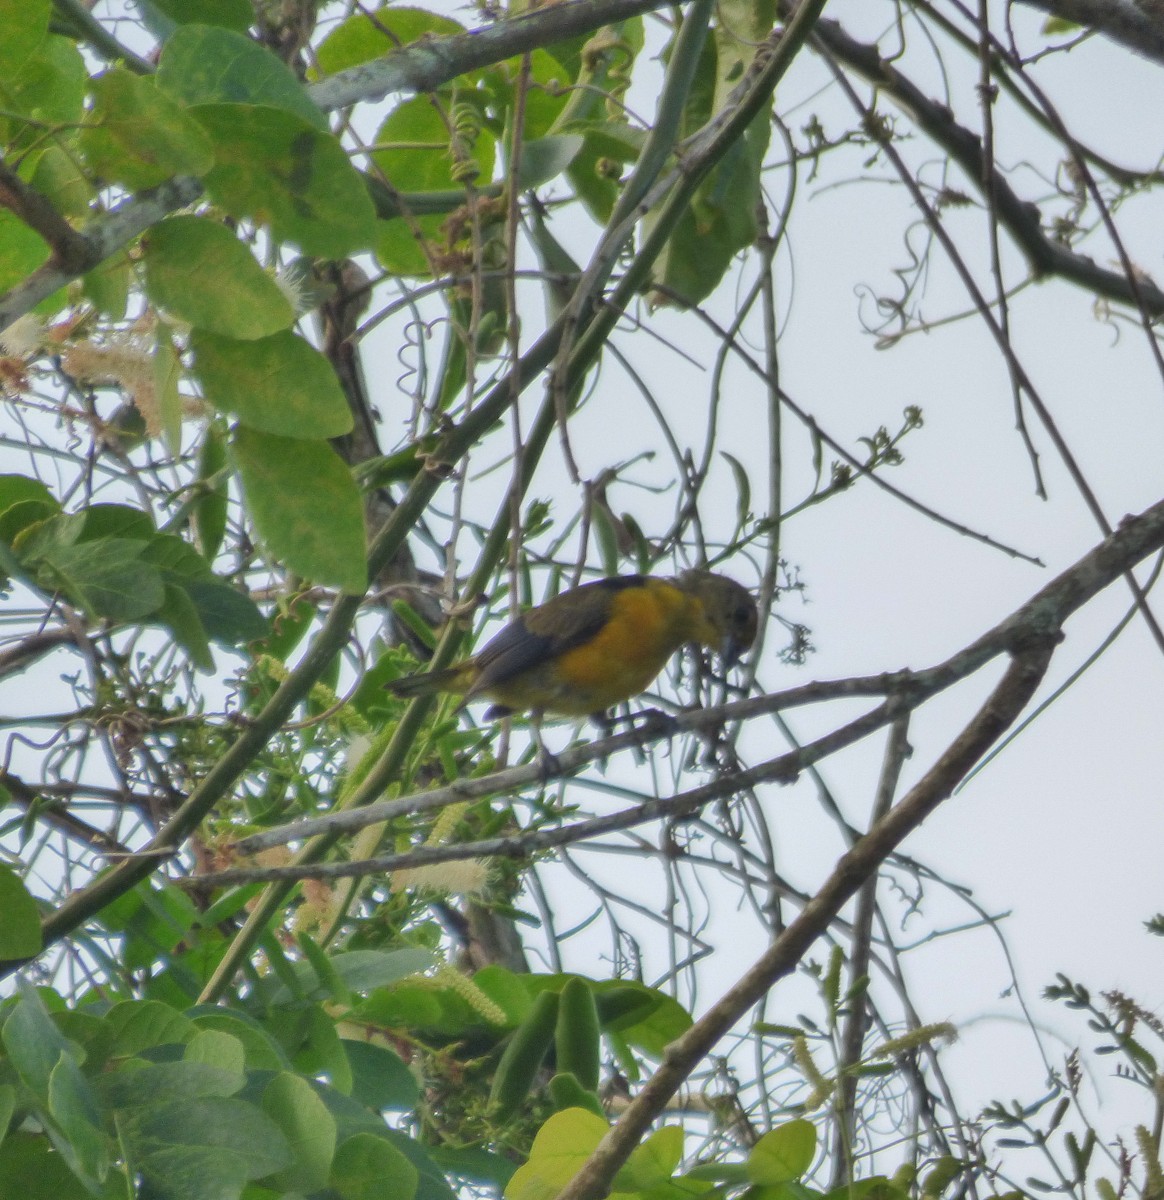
{"points": [[202, 64], [33, 1042], [230, 14], [652, 1162], [273, 166], [229, 617], [106, 577], [78, 1134], [280, 384], [30, 1169], [305, 505], [369, 35], [25, 24], [199, 271], [58, 176], [208, 65], [20, 927], [380, 1078], [136, 135], [370, 1168], [416, 154], [562, 1145], [309, 1128], [142, 1024], [204, 1148], [48, 87], [783, 1154], [148, 1084], [179, 615], [21, 250]]}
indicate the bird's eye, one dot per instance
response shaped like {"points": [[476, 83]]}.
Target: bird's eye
{"points": [[742, 614]]}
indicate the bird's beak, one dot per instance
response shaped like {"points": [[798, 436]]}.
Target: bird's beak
{"points": [[731, 649]]}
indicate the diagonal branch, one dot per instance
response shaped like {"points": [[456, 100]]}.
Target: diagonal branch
{"points": [[1138, 26]]}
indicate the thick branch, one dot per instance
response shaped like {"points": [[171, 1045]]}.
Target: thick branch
{"points": [[426, 65], [1133, 23], [101, 240]]}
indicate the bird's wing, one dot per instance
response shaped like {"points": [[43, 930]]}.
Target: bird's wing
{"points": [[548, 631]]}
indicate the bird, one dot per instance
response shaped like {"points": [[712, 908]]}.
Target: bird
{"points": [[594, 646]]}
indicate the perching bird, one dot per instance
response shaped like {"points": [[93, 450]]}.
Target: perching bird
{"points": [[594, 646]]}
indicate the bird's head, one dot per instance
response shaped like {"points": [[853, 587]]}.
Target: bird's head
{"points": [[729, 618]]}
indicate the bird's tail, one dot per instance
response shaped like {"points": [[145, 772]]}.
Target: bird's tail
{"points": [[427, 682]]}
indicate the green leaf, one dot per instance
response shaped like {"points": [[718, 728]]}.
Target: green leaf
{"points": [[219, 1049], [33, 1042], [20, 489], [309, 1128], [652, 1162], [230, 14], [106, 287], [369, 35], [1060, 25], [276, 168], [279, 384], [7, 1107], [203, 1148], [367, 1167], [263, 1052], [21, 250], [399, 245], [79, 1136], [312, 1043], [783, 1154], [380, 1078], [142, 1024], [105, 577], [48, 87], [229, 617], [208, 514], [718, 224], [653, 1031], [31, 1170], [476, 1166], [608, 146], [20, 928], [25, 24], [146, 1085], [202, 64], [199, 271], [58, 176], [560, 1148], [546, 158], [416, 157], [137, 136], [305, 505]]}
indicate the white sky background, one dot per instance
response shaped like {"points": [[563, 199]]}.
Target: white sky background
{"points": [[1065, 828]]}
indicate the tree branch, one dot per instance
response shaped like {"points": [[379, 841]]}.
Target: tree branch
{"points": [[1138, 26]]}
